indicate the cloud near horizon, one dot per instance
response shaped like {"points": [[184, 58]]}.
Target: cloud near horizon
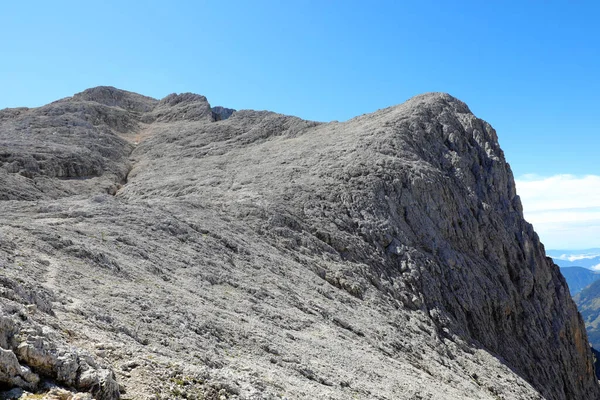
{"points": [[564, 209], [576, 257]]}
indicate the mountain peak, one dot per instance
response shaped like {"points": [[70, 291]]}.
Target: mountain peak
{"points": [[262, 255], [433, 99], [113, 97], [173, 99]]}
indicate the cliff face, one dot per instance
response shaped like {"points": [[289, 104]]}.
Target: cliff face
{"points": [[201, 251]]}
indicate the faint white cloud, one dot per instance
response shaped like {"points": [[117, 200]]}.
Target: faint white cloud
{"points": [[564, 209], [575, 257]]}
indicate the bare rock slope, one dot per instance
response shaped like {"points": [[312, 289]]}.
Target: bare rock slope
{"points": [[170, 249]]}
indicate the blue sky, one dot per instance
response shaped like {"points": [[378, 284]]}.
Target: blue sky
{"points": [[530, 68]]}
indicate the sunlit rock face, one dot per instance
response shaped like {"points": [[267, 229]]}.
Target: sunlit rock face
{"points": [[170, 249]]}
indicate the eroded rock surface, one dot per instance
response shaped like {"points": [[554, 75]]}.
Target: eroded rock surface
{"points": [[167, 249]]}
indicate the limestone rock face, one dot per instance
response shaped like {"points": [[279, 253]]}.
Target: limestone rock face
{"points": [[221, 113], [174, 250], [112, 97], [32, 353], [181, 107]]}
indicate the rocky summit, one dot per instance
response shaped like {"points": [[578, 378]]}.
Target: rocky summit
{"points": [[165, 249]]}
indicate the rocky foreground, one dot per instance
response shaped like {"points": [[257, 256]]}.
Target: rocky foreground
{"points": [[166, 249]]}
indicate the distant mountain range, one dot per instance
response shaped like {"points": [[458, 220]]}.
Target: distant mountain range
{"points": [[588, 303], [578, 278], [581, 269], [588, 258]]}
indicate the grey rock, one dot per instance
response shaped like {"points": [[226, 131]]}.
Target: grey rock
{"points": [[12, 394], [180, 107], [221, 113], [114, 97], [13, 373], [29, 346], [263, 256]]}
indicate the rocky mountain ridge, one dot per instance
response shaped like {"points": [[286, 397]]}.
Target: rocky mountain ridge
{"points": [[170, 249]]}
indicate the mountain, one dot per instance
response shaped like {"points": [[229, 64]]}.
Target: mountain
{"points": [[578, 278], [164, 249], [588, 303], [576, 258], [589, 263]]}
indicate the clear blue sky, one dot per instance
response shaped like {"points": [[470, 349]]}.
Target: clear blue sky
{"points": [[528, 67]]}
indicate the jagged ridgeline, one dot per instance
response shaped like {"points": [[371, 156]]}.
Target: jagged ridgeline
{"points": [[169, 249]]}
